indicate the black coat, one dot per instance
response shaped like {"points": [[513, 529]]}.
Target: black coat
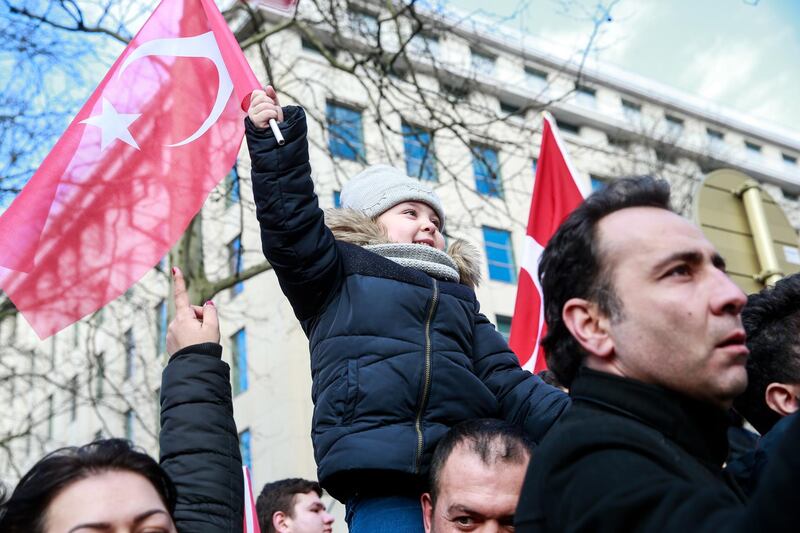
{"points": [[199, 442], [631, 457], [397, 357]]}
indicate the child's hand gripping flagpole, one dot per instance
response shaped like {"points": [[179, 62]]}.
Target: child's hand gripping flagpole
{"points": [[276, 131]]}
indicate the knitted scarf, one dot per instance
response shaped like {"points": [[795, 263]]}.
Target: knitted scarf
{"points": [[433, 262]]}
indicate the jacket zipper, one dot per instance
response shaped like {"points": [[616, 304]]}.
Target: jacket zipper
{"points": [[427, 386]]}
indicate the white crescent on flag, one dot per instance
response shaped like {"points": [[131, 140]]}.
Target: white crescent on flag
{"points": [[203, 45]]}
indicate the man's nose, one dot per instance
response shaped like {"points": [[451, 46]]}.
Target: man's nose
{"points": [[728, 298]]}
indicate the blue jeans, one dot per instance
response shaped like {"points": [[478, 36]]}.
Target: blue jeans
{"points": [[384, 514]]}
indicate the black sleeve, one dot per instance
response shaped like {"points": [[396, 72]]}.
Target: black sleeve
{"points": [[199, 442], [524, 399], [622, 489], [295, 240]]}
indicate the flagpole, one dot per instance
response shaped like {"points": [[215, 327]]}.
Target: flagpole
{"points": [[276, 131]]}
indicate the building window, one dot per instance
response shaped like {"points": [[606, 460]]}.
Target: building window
{"points": [[510, 109], [418, 146], [100, 376], [486, 168], [455, 90], [50, 415], [668, 157], [504, 326], [535, 79], [157, 395], [674, 125], [789, 159], [239, 361], [597, 182], [715, 136], [245, 447], [232, 191], [619, 143], [235, 263], [482, 63], [585, 96], [363, 24], [161, 326], [631, 110], [130, 418], [73, 398], [130, 354], [499, 255], [568, 127], [424, 44], [345, 135], [76, 335], [311, 47], [752, 147]]}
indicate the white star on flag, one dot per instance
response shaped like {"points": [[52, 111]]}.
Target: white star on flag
{"points": [[113, 125]]}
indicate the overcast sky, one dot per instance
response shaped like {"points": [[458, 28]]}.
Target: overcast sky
{"points": [[744, 54]]}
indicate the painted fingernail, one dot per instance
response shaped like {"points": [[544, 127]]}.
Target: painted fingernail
{"points": [[210, 302], [174, 270]]}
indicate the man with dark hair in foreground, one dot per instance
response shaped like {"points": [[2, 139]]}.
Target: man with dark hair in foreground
{"points": [[476, 476], [293, 506], [644, 328], [772, 321]]}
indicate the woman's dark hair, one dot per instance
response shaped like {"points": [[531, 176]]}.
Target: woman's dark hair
{"points": [[572, 266], [26, 509]]}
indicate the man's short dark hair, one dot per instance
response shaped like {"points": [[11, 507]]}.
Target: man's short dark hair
{"points": [[572, 266], [279, 496], [772, 321], [492, 440]]}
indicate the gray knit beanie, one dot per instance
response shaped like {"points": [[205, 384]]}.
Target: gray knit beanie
{"points": [[381, 187]]}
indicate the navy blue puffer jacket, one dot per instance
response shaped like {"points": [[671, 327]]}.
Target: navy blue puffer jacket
{"points": [[397, 357]]}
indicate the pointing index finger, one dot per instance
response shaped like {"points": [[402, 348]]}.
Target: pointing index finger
{"points": [[181, 296]]}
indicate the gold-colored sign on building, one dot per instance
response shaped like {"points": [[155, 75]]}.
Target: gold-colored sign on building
{"points": [[748, 228]]}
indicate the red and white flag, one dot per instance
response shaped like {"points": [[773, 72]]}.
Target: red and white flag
{"points": [[132, 169], [250, 515], [281, 6], [557, 190]]}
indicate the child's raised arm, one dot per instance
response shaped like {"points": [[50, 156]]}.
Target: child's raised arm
{"points": [[295, 240]]}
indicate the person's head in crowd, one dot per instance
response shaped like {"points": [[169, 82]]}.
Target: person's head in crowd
{"points": [[476, 476], [103, 486], [293, 505], [631, 288], [772, 321]]}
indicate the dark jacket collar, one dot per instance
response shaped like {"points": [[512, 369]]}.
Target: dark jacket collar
{"points": [[697, 427]]}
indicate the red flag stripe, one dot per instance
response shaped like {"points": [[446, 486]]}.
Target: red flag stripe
{"points": [[556, 193]]}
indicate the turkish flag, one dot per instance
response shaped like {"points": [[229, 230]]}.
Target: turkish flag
{"points": [[282, 6], [250, 514], [132, 169], [556, 192]]}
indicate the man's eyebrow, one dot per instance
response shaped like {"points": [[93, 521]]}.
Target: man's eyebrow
{"points": [[693, 257], [459, 508], [106, 526]]}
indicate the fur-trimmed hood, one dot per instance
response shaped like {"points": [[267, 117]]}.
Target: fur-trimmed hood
{"points": [[351, 226]]}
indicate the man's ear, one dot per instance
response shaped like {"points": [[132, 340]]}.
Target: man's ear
{"points": [[589, 326], [427, 511], [280, 522], [782, 398]]}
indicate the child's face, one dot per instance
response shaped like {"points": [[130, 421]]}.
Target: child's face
{"points": [[413, 222]]}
